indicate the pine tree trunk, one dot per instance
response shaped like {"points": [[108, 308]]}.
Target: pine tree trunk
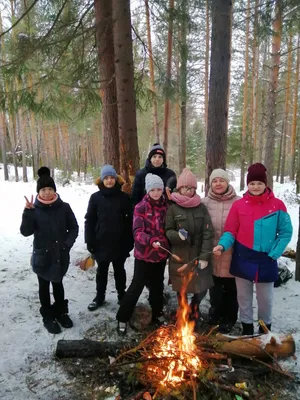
{"points": [[183, 83], [3, 145], [295, 109], [206, 64], [218, 86], [286, 107], [272, 95], [168, 75], [263, 96], [104, 34], [280, 152], [151, 69], [254, 102], [245, 109], [129, 151], [22, 133], [297, 271]]}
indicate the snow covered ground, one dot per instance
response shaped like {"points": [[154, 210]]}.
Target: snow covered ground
{"points": [[28, 369]]}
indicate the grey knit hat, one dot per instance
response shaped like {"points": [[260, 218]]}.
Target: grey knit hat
{"points": [[153, 181], [219, 173]]}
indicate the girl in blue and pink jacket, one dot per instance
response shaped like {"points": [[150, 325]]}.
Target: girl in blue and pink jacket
{"points": [[258, 228]]}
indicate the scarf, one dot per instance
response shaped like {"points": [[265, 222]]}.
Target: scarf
{"points": [[186, 202], [48, 201], [228, 195]]}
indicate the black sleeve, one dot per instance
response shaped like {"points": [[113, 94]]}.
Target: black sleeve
{"points": [[138, 189], [172, 182], [28, 222], [90, 221], [128, 219], [72, 227]]}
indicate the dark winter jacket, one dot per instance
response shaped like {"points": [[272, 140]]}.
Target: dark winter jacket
{"points": [[138, 190], [197, 222], [55, 230], [148, 227], [108, 223]]}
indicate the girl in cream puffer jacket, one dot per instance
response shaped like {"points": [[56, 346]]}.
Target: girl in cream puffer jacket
{"points": [[223, 296]]}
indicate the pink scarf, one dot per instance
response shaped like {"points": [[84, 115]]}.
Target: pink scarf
{"points": [[186, 202], [48, 201]]}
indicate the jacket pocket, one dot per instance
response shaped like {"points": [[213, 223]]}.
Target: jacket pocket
{"points": [[38, 258], [181, 221]]}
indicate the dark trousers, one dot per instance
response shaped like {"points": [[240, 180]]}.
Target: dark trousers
{"points": [[223, 299], [145, 273], [44, 293], [102, 276]]}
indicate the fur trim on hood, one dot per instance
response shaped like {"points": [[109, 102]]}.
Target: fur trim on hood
{"points": [[120, 180]]}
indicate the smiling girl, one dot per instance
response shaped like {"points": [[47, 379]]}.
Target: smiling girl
{"points": [[258, 228]]}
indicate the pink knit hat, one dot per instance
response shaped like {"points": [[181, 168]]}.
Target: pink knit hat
{"points": [[187, 178]]}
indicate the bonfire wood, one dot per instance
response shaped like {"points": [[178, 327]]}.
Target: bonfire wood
{"points": [[89, 348], [255, 346]]}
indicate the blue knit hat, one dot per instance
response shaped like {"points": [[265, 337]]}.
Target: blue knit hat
{"points": [[108, 170]]}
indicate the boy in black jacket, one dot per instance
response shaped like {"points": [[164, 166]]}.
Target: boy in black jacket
{"points": [[108, 232]]}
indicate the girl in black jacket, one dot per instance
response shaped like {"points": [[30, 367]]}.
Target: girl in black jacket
{"points": [[108, 232], [55, 229]]}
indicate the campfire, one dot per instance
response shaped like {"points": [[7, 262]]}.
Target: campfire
{"points": [[175, 361], [176, 357]]}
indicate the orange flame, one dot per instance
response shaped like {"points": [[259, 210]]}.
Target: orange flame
{"points": [[177, 347]]}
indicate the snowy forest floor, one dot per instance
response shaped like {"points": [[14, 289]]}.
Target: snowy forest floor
{"points": [[28, 368]]}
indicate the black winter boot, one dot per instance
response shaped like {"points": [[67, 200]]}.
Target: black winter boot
{"points": [[49, 320], [260, 330], [61, 314], [248, 329]]}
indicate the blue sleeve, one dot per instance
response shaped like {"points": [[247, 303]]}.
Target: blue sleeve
{"points": [[226, 240], [284, 235]]}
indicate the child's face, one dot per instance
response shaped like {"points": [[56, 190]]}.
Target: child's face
{"points": [[47, 193], [155, 194], [187, 191], [109, 181], [157, 160], [256, 188], [219, 185]]}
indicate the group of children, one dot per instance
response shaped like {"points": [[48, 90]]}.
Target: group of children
{"points": [[225, 243]]}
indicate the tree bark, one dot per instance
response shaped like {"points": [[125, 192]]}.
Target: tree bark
{"points": [[286, 107], [245, 108], [168, 76], [297, 271], [88, 348], [218, 86], [206, 76], [108, 93], [295, 109], [3, 145], [151, 69], [22, 134], [183, 82], [129, 151], [272, 95]]}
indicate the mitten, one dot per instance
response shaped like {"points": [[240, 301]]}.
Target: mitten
{"points": [[203, 264], [183, 234]]}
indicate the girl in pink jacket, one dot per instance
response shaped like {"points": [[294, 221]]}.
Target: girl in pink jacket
{"points": [[258, 228], [149, 264]]}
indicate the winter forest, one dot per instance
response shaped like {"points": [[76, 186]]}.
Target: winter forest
{"points": [[94, 82]]}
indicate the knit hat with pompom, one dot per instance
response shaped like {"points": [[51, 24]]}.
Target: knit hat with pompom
{"points": [[257, 172], [45, 179]]}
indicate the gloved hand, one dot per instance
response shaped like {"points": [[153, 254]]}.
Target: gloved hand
{"points": [[203, 264], [183, 234], [91, 247]]}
